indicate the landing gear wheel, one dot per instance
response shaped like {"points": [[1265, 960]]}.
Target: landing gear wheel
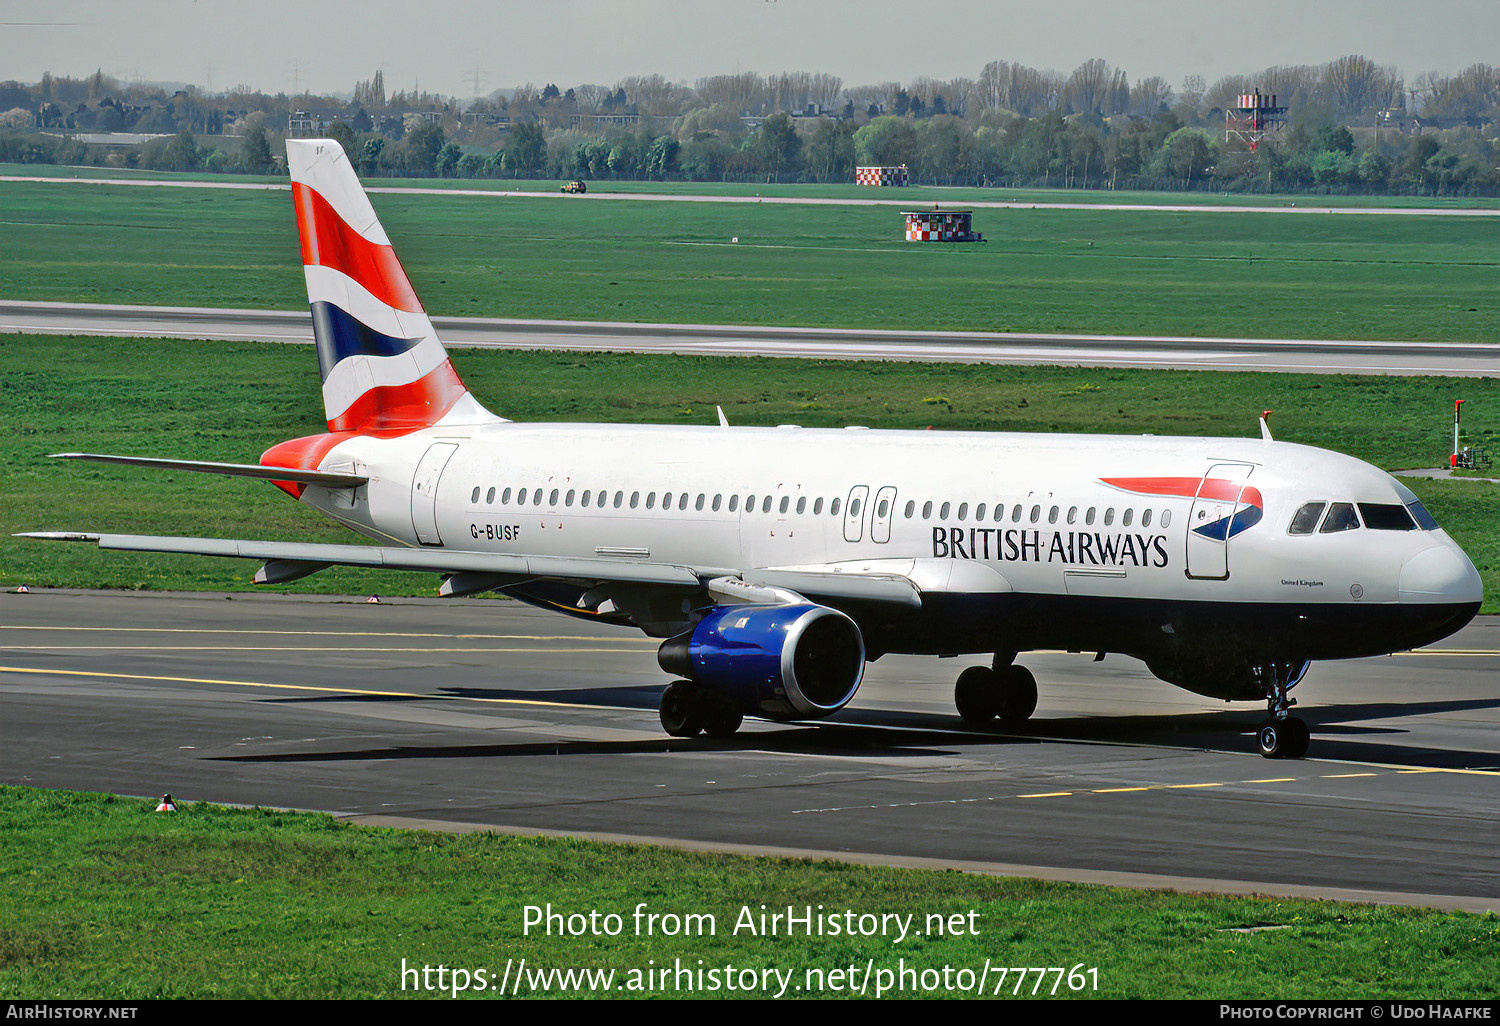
{"points": [[983, 695], [682, 709], [1283, 739], [1017, 696], [720, 717], [977, 695]]}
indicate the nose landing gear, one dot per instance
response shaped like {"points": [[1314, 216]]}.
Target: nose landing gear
{"points": [[1282, 736]]}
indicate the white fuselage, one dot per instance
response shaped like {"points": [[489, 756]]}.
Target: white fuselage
{"points": [[959, 513]]}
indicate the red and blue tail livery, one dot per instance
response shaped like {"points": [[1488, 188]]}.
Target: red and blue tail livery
{"points": [[384, 369]]}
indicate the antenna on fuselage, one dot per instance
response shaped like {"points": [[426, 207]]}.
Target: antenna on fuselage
{"points": [[723, 420], [1265, 425]]}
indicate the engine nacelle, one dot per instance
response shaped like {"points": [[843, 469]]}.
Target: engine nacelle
{"points": [[784, 662]]}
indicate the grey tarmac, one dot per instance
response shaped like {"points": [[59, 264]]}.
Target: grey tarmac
{"points": [[486, 714]]}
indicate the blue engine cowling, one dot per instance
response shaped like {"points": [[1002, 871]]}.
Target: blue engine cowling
{"points": [[786, 662]]}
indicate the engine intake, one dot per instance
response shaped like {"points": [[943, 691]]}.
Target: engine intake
{"points": [[784, 662]]}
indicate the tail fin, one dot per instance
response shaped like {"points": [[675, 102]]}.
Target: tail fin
{"points": [[384, 370]]}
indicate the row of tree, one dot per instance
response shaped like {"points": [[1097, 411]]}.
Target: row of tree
{"points": [[1353, 88], [1001, 150]]}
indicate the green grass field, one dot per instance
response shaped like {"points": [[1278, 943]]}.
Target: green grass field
{"points": [[231, 401], [102, 898], [1103, 272]]}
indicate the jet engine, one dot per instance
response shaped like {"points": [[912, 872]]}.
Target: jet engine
{"points": [[784, 662]]}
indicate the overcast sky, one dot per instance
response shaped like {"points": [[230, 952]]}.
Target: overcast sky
{"points": [[441, 45]]}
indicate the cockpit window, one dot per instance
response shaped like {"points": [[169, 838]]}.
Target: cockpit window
{"points": [[1423, 518], [1305, 521], [1341, 517], [1380, 516]]}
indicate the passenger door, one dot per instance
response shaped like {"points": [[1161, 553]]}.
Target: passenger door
{"points": [[424, 487]]}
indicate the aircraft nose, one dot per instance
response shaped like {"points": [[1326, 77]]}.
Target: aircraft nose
{"points": [[1439, 574]]}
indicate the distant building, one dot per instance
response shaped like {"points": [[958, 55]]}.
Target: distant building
{"points": [[940, 226], [882, 176]]}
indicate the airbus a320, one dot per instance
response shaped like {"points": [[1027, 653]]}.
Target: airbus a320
{"points": [[776, 562]]}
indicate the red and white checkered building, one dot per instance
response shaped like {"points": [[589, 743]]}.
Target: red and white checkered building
{"points": [[940, 226], [881, 176]]}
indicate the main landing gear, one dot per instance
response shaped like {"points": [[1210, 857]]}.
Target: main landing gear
{"points": [[688, 709], [1004, 692], [1282, 736]]}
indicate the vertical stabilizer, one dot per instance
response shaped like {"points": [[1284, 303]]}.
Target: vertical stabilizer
{"points": [[384, 370]]}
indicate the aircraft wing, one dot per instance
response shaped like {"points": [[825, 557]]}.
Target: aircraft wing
{"points": [[482, 571]]}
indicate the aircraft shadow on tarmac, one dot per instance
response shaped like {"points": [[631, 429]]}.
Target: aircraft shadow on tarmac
{"points": [[1336, 730]]}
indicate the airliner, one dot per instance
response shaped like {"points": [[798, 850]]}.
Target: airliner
{"points": [[775, 562]]}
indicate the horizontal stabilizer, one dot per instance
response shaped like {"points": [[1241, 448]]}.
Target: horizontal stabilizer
{"points": [[256, 470]]}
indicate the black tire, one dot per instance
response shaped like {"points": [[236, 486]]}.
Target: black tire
{"points": [[720, 717], [976, 695], [1017, 696], [1272, 739], [1297, 737], [682, 709]]}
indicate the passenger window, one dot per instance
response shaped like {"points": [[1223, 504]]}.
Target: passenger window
{"points": [[521, 497], [883, 509], [979, 512], [749, 504], [475, 496], [786, 502], [734, 502], [833, 508], [536, 496], [1072, 514], [568, 501], [943, 512], [1127, 518], [1036, 513], [1052, 515], [1088, 518], [699, 504], [650, 500], [817, 506], [635, 499], [1015, 514], [911, 507], [963, 510], [1166, 517], [619, 499], [1145, 518], [801, 504], [1379, 516], [587, 494], [682, 501], [927, 510], [505, 497], [552, 499], [1341, 517], [1109, 516], [765, 504], [854, 508], [1305, 520], [718, 501]]}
